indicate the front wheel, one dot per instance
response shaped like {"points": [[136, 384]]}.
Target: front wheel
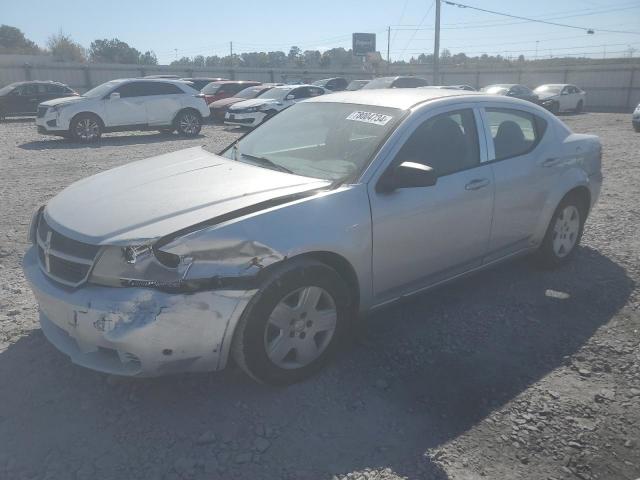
{"points": [[563, 233], [293, 325], [555, 108], [85, 128], [188, 123], [580, 107]]}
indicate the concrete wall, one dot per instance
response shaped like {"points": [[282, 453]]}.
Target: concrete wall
{"points": [[612, 87]]}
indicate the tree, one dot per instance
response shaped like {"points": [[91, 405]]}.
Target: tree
{"points": [[184, 61], [112, 51], [12, 40], [64, 49], [198, 61], [212, 61], [148, 58], [312, 58], [294, 54]]}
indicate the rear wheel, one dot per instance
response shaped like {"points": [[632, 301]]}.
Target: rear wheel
{"points": [[563, 233], [636, 128], [293, 325], [580, 106], [86, 127], [188, 123]]}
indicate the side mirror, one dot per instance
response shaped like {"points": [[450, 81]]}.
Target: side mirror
{"points": [[289, 97], [408, 175], [114, 96]]}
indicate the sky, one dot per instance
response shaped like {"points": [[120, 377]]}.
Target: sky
{"points": [[197, 27]]}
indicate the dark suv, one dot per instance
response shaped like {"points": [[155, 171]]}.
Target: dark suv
{"points": [[22, 98]]}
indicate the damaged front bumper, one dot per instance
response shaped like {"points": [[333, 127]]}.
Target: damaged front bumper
{"points": [[136, 331]]}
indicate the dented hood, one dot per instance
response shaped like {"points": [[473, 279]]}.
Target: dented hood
{"points": [[151, 198]]}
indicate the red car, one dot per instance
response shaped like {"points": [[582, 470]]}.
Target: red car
{"points": [[225, 88], [220, 107]]}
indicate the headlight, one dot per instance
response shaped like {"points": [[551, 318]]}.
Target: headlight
{"points": [[253, 109], [139, 265], [33, 225]]}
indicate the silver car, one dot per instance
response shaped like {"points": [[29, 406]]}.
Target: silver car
{"points": [[337, 206]]}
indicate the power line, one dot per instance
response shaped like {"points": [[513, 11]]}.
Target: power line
{"points": [[527, 19], [421, 22]]}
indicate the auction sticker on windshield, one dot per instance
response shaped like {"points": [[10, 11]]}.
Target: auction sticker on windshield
{"points": [[370, 117]]}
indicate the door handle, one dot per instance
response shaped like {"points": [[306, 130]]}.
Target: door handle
{"points": [[550, 162], [477, 184]]}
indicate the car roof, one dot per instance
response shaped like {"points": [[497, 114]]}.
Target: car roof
{"points": [[221, 82], [48, 82], [555, 85], [503, 85], [402, 98]]}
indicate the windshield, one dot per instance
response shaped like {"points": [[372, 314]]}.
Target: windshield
{"points": [[549, 89], [250, 92], [101, 90], [357, 84], [384, 82], [211, 88], [331, 141], [276, 93], [495, 89], [6, 89]]}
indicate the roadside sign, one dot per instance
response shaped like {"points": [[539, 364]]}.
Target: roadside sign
{"points": [[363, 43]]}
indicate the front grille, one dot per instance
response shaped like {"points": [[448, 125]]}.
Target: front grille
{"points": [[64, 259], [42, 111]]}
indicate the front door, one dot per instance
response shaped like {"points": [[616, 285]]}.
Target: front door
{"points": [[424, 235], [130, 108]]}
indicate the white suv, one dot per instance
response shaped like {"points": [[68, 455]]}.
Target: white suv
{"points": [[125, 104], [251, 113]]}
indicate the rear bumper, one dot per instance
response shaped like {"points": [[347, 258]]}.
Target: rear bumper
{"points": [[136, 331]]}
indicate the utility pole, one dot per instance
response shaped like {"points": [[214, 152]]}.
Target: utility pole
{"points": [[536, 57], [436, 47], [231, 52], [388, 47]]}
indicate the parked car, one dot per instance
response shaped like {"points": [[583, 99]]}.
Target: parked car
{"points": [[635, 119], [561, 97], [163, 76], [22, 98], [511, 90], [468, 88], [125, 104], [225, 89], [396, 82], [200, 82], [219, 108], [266, 252], [251, 113], [335, 84], [356, 84]]}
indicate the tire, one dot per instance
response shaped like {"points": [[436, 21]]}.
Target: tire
{"points": [[86, 128], [564, 232], [188, 123], [579, 106], [293, 325], [637, 128], [555, 108]]}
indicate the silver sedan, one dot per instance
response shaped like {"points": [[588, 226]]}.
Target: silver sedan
{"points": [[335, 207]]}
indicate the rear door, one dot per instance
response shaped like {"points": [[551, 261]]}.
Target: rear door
{"points": [[130, 108], [29, 98], [163, 101], [518, 143]]}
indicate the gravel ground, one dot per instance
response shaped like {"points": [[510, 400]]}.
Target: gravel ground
{"points": [[514, 373]]}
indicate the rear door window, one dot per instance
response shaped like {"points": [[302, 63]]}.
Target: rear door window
{"points": [[514, 132], [133, 89], [162, 88]]}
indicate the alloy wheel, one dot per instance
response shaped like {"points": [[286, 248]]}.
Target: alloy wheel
{"points": [[189, 124], [87, 129]]}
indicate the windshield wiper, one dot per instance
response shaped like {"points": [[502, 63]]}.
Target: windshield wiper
{"points": [[266, 162]]}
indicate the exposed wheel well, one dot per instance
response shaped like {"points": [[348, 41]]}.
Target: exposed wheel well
{"points": [[582, 195], [90, 114], [344, 269]]}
